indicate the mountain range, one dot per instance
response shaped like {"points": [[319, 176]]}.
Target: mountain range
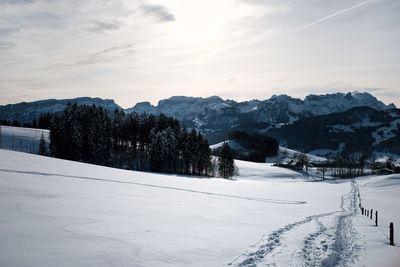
{"points": [[338, 121], [359, 129], [27, 111]]}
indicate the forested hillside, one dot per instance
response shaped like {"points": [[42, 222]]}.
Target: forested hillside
{"points": [[134, 141]]}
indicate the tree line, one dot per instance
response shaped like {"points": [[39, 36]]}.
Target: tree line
{"points": [[134, 141], [257, 146], [41, 122]]}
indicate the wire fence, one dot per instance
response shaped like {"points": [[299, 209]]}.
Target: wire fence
{"points": [[383, 225], [22, 139]]}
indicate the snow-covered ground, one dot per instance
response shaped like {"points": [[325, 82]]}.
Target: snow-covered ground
{"points": [[285, 155], [22, 139], [232, 143], [326, 152], [380, 193], [386, 132], [63, 213]]}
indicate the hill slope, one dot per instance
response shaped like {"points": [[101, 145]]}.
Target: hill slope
{"points": [[105, 216], [360, 129]]}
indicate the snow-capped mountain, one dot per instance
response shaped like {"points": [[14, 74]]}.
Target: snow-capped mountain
{"points": [[183, 107], [277, 109], [27, 111], [358, 130], [280, 116], [213, 114]]}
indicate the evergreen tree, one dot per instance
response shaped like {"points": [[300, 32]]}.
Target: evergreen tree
{"points": [[156, 154], [226, 164], [186, 151], [135, 141], [42, 146], [203, 155], [193, 149]]}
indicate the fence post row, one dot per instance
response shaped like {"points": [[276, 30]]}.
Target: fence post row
{"points": [[367, 214]]}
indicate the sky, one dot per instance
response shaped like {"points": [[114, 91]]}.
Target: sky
{"points": [[142, 50]]}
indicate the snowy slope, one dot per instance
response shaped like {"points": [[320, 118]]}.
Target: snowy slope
{"points": [[232, 143], [64, 213], [285, 154], [22, 139], [380, 193]]}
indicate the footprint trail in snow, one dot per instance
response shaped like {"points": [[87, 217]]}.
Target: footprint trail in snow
{"points": [[332, 240]]}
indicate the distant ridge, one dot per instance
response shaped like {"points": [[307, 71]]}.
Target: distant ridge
{"points": [[321, 124], [27, 111], [281, 108]]}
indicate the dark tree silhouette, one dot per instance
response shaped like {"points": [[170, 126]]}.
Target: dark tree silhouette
{"points": [[226, 164], [134, 141]]}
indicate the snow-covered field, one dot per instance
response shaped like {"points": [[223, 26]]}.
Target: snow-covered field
{"points": [[22, 139], [63, 213], [285, 155], [382, 194]]}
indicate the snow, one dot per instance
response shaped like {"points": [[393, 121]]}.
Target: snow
{"points": [[198, 122], [380, 193], [232, 143], [248, 106], [22, 139], [329, 152], [142, 107], [188, 108], [27, 111], [285, 155], [384, 133], [332, 103], [62, 213], [366, 122], [218, 106], [382, 157]]}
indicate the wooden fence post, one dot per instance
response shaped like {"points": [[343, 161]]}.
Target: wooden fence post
{"points": [[391, 238], [376, 218]]}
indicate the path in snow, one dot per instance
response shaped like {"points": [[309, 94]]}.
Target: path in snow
{"points": [[332, 240], [259, 199]]}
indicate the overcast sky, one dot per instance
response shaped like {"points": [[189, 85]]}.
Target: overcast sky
{"points": [[133, 51]]}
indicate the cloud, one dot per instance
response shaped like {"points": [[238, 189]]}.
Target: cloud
{"points": [[104, 26], [16, 2], [108, 54], [5, 32], [158, 11], [6, 45]]}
